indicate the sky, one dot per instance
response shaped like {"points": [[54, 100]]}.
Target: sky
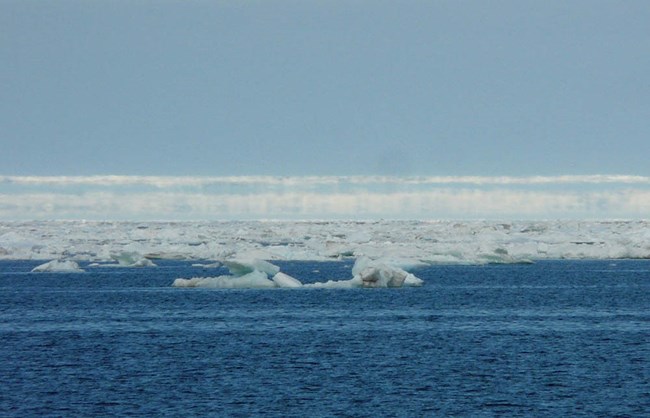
{"points": [[354, 88]]}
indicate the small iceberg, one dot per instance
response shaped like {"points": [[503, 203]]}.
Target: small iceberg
{"points": [[58, 266], [259, 274], [244, 274], [371, 274]]}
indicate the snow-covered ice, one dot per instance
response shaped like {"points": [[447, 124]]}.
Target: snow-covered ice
{"points": [[406, 244], [239, 267], [385, 251], [253, 280], [284, 280], [254, 274], [132, 259], [59, 266]]}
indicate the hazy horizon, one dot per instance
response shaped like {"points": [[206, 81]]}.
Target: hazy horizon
{"points": [[323, 197], [444, 89]]}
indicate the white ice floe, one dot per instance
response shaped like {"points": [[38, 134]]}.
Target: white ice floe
{"points": [[253, 280], [214, 265], [59, 266], [242, 267], [378, 274], [405, 244], [245, 274], [372, 273], [284, 280], [132, 259], [254, 274]]}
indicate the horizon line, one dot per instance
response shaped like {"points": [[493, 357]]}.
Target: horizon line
{"points": [[191, 180]]}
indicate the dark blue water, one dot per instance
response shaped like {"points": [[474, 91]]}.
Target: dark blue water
{"points": [[551, 339]]}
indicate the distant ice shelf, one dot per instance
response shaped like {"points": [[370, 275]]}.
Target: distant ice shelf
{"points": [[403, 244]]}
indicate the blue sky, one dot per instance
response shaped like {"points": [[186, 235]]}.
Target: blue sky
{"points": [[324, 88]]}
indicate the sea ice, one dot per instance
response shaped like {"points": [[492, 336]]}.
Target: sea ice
{"points": [[245, 274], [242, 267], [378, 274], [284, 280], [255, 274], [59, 266], [132, 259], [337, 284], [402, 243], [253, 280], [214, 265], [412, 281]]}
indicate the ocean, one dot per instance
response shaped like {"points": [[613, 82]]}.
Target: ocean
{"points": [[554, 338]]}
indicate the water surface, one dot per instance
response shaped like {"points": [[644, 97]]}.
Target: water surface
{"points": [[550, 339]]}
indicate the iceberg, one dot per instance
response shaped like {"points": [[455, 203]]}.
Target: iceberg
{"points": [[59, 266]]}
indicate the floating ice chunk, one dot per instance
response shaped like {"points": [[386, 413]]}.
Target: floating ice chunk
{"points": [[371, 273], [132, 259], [413, 281], [193, 282], [376, 273], [360, 264], [255, 273], [405, 263], [59, 266], [382, 276], [143, 262], [246, 274], [284, 280], [253, 280], [337, 284], [243, 267], [207, 266]]}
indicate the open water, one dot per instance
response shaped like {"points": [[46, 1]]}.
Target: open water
{"points": [[557, 338]]}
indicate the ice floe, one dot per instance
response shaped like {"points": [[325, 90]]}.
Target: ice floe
{"points": [[132, 259], [59, 266], [406, 244], [254, 274], [284, 280], [253, 280]]}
